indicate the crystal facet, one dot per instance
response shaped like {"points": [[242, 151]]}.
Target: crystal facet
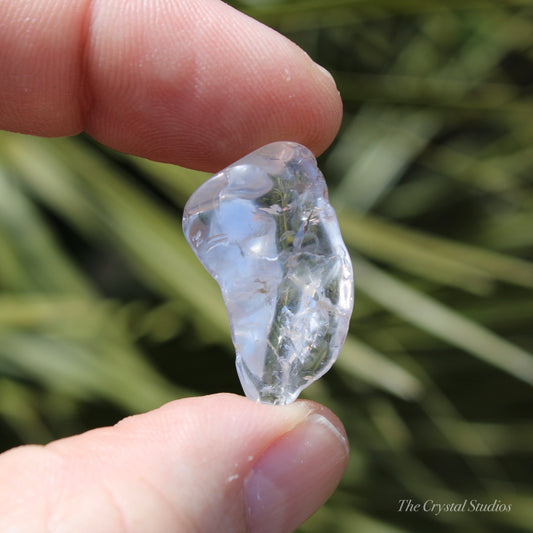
{"points": [[265, 230]]}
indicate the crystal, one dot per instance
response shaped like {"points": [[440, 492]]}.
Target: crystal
{"points": [[265, 230]]}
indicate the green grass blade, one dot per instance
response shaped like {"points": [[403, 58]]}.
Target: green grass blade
{"points": [[443, 322]]}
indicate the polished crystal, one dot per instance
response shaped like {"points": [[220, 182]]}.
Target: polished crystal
{"points": [[265, 230]]}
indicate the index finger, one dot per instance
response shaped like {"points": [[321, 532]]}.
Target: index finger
{"points": [[194, 83]]}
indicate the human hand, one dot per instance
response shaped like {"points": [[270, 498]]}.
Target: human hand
{"points": [[195, 83], [212, 464], [198, 84]]}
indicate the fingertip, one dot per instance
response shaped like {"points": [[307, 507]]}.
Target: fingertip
{"points": [[296, 474], [201, 84], [215, 463], [327, 123], [336, 425], [198, 84]]}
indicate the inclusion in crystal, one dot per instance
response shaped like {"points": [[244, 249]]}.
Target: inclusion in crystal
{"points": [[265, 230]]}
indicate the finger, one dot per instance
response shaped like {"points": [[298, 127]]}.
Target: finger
{"points": [[195, 83], [211, 464]]}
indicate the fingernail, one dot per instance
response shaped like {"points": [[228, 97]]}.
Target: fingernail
{"points": [[295, 475], [325, 72]]}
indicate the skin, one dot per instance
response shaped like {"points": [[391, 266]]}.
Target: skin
{"points": [[198, 84], [190, 82]]}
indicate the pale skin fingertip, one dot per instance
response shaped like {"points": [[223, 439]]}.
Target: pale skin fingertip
{"points": [[157, 470], [197, 84]]}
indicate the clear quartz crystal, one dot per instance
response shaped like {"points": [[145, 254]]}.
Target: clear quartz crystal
{"points": [[265, 230]]}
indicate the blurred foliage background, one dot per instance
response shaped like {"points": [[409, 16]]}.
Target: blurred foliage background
{"points": [[104, 310]]}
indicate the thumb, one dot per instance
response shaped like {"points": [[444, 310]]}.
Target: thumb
{"points": [[209, 464]]}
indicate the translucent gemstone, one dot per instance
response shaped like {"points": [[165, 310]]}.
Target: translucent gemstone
{"points": [[265, 230]]}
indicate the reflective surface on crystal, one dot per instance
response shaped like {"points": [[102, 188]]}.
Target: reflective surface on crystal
{"points": [[264, 229]]}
